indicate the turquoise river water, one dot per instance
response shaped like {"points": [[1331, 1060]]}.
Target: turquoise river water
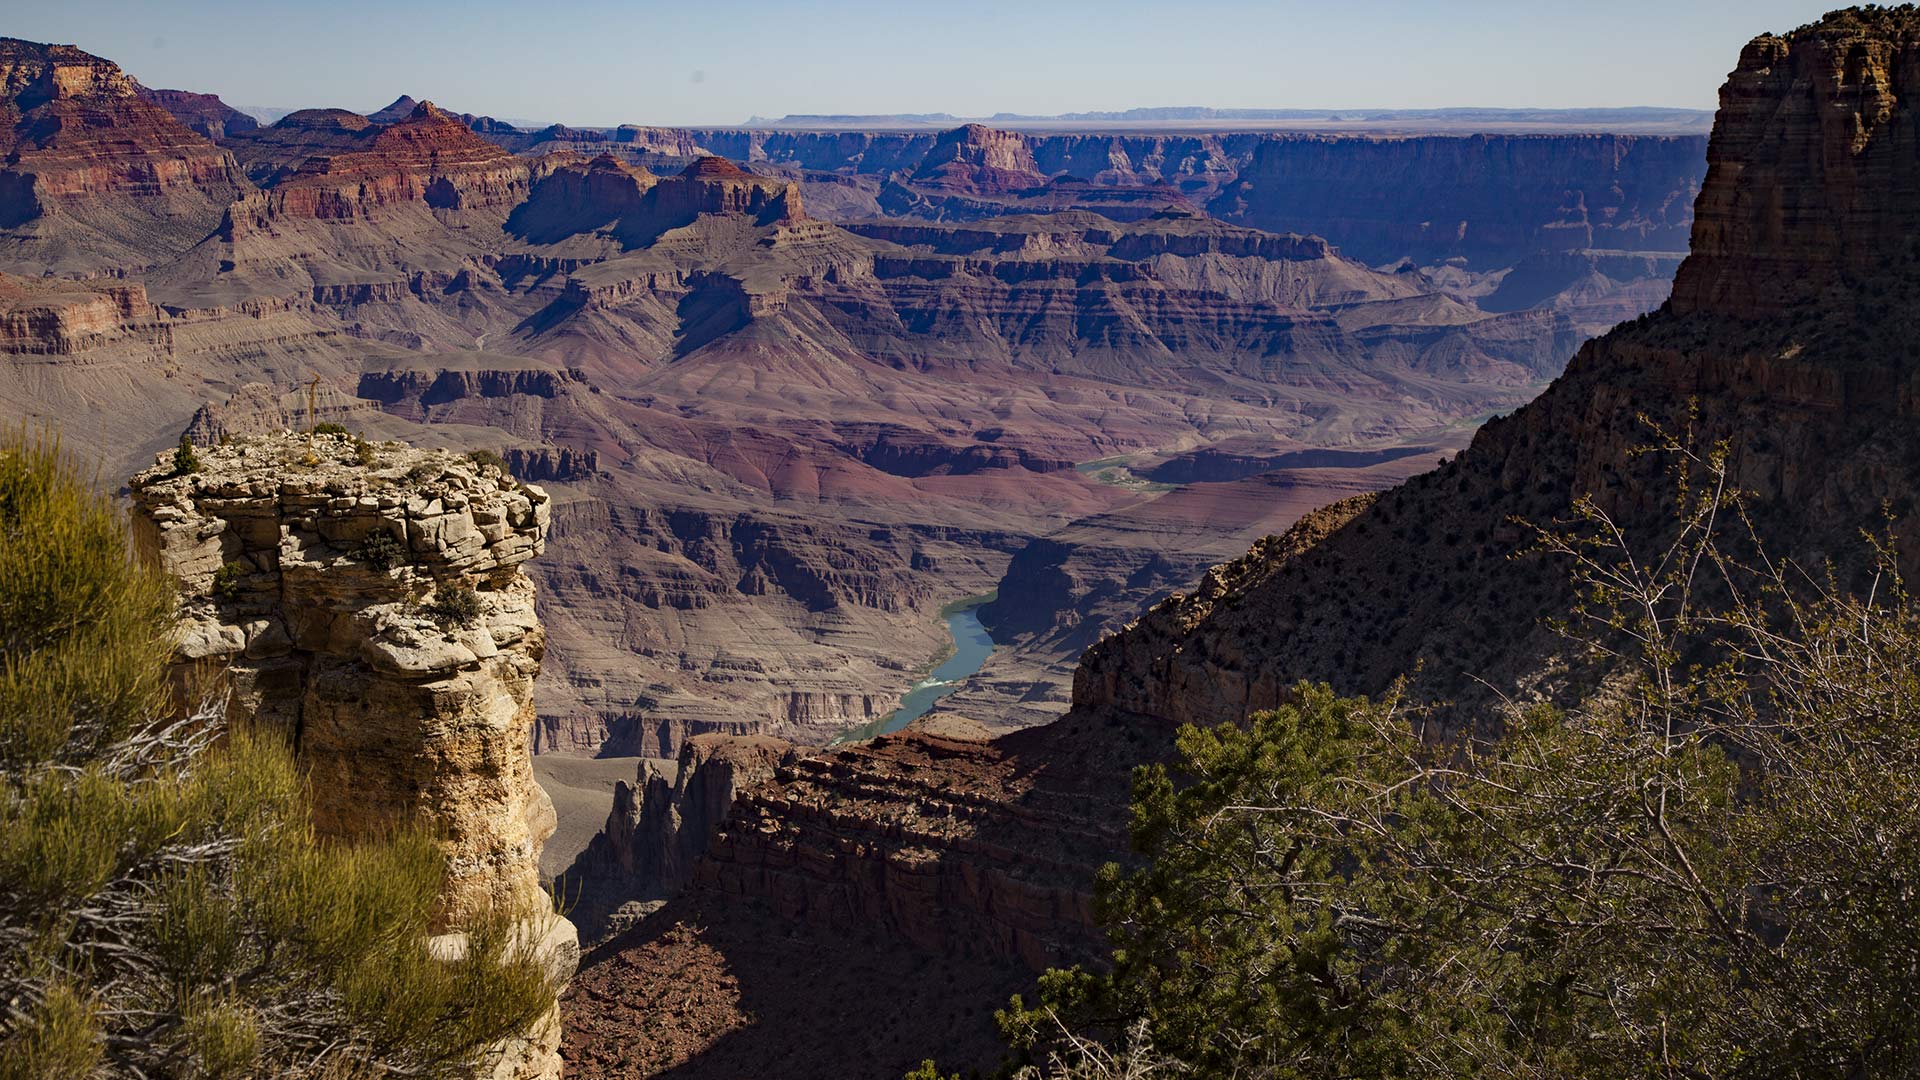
{"points": [[971, 647]]}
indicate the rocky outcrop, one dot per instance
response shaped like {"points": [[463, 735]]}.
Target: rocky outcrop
{"points": [[634, 206], [62, 318], [979, 160], [552, 463], [661, 825], [320, 592], [378, 614], [1812, 173], [429, 158]]}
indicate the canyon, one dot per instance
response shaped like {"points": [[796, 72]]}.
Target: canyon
{"points": [[785, 394], [785, 423], [938, 857]]}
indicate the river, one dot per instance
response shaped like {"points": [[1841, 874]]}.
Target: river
{"points": [[971, 647]]}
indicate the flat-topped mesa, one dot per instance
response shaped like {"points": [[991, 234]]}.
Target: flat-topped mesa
{"points": [[607, 196], [206, 114], [61, 317], [713, 185], [380, 615], [1813, 178], [571, 195]]}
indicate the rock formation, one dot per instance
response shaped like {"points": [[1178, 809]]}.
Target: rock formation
{"points": [[92, 176], [429, 157], [661, 825], [377, 612]]}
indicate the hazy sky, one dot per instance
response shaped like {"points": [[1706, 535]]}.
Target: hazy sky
{"points": [[720, 61]]}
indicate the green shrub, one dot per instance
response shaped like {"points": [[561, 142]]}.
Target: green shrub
{"points": [[328, 427], [165, 907], [453, 605], [484, 458], [381, 551], [226, 580], [185, 458], [364, 453]]}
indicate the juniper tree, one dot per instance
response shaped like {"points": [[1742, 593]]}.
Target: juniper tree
{"points": [[165, 907]]}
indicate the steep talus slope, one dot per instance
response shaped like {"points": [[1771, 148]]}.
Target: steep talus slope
{"points": [[1816, 404]]}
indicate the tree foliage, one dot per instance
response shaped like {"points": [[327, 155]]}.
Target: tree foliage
{"points": [[165, 907], [1708, 868]]}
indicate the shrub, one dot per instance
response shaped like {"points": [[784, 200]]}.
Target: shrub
{"points": [[485, 458], [226, 580], [328, 427], [381, 551], [453, 605], [165, 908], [185, 458], [364, 453]]}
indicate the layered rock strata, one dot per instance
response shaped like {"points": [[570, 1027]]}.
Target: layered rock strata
{"points": [[92, 176], [376, 612], [1822, 436]]}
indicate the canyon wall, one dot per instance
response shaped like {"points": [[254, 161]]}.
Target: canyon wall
{"points": [[377, 612], [1807, 199], [1491, 200]]}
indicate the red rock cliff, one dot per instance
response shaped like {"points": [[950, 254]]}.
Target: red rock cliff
{"points": [[1813, 181]]}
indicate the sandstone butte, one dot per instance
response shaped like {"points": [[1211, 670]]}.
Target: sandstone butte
{"points": [[923, 859], [306, 580]]}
